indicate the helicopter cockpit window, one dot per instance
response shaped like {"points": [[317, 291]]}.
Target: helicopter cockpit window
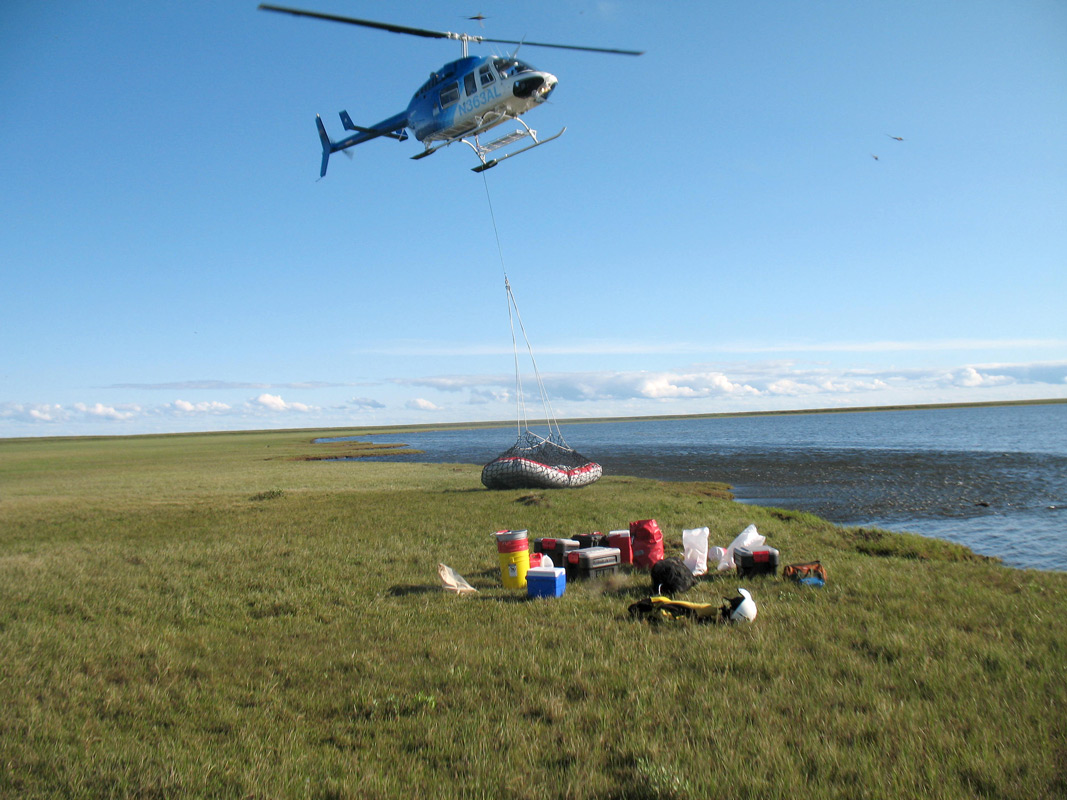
{"points": [[449, 94], [485, 74], [507, 67]]}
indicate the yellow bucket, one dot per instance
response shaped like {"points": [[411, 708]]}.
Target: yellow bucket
{"points": [[513, 549]]}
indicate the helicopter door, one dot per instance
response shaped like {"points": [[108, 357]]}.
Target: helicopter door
{"points": [[485, 75], [470, 87]]}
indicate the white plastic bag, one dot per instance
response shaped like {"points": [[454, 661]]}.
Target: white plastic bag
{"points": [[452, 581], [695, 545], [749, 538]]}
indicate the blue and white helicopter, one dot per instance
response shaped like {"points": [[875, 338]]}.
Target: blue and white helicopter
{"points": [[462, 99]]}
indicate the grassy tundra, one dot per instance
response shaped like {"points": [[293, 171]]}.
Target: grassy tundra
{"points": [[213, 616]]}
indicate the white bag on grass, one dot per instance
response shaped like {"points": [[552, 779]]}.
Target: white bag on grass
{"points": [[452, 581], [749, 538], [695, 545]]}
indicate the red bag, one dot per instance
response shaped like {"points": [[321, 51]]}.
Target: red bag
{"points": [[647, 541]]}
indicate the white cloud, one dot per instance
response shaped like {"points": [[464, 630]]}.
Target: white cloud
{"points": [[739, 381], [46, 413], [971, 377], [1046, 372], [33, 412], [274, 402], [205, 407], [593, 385], [788, 387], [665, 385], [108, 412], [421, 404], [365, 403], [454, 383], [694, 384], [484, 396]]}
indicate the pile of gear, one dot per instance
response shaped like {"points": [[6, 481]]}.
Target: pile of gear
{"points": [[675, 575], [553, 562]]}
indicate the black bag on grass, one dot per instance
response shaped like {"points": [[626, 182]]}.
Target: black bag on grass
{"points": [[670, 576]]}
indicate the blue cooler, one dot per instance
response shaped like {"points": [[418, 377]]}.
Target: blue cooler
{"points": [[546, 582]]}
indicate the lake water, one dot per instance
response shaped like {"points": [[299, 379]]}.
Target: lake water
{"points": [[991, 478]]}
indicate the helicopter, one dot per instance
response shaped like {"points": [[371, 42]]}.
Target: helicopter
{"points": [[460, 101]]}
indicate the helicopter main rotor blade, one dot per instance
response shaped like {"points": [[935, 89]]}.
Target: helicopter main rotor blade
{"points": [[525, 43], [366, 23], [386, 26]]}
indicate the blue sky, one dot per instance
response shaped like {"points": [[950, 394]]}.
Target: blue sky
{"points": [[711, 234]]}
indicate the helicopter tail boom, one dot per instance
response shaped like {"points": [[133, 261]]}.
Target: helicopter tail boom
{"points": [[392, 128]]}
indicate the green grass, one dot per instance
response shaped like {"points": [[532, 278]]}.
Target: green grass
{"points": [[212, 616]]}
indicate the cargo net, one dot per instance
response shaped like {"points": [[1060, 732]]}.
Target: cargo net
{"points": [[535, 462]]}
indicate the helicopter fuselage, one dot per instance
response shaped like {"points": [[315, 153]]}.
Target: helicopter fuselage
{"points": [[463, 98], [459, 101], [474, 94]]}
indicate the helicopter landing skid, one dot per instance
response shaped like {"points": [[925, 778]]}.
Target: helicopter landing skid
{"points": [[481, 150], [494, 119]]}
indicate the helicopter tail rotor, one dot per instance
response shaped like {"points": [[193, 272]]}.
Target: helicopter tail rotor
{"points": [[327, 145], [392, 128]]}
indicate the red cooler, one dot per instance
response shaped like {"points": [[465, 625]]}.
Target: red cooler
{"points": [[622, 542]]}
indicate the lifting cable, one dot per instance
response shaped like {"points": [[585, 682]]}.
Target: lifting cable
{"points": [[521, 420]]}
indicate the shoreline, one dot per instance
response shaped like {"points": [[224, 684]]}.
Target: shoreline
{"points": [[368, 430]]}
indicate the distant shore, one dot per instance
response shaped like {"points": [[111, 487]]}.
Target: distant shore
{"points": [[436, 426], [478, 425]]}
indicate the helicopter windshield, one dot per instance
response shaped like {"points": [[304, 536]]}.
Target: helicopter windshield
{"points": [[508, 67]]}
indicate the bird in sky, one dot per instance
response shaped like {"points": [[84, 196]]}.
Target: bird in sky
{"points": [[874, 156], [898, 138]]}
